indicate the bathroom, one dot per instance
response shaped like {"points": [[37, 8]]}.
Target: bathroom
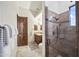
{"points": [[39, 28]]}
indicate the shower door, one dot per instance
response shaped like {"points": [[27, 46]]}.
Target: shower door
{"points": [[61, 36]]}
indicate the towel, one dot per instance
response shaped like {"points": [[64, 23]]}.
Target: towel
{"points": [[9, 29], [8, 34], [1, 42], [5, 36]]}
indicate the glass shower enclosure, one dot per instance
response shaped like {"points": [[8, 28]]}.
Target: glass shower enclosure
{"points": [[61, 34]]}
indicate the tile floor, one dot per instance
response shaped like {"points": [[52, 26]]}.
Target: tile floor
{"points": [[26, 51]]}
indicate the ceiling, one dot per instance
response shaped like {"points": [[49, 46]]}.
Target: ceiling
{"points": [[34, 6], [24, 4], [59, 6]]}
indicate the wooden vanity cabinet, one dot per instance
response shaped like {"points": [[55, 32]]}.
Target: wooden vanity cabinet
{"points": [[38, 38]]}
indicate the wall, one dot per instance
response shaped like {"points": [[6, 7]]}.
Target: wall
{"points": [[8, 13], [38, 21], [69, 33]]}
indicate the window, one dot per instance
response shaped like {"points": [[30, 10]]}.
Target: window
{"points": [[72, 17]]}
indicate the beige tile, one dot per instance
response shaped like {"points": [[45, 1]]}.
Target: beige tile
{"points": [[25, 51]]}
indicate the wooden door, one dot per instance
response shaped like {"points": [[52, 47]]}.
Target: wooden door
{"points": [[22, 26]]}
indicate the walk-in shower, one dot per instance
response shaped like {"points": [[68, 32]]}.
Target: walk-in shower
{"points": [[61, 34]]}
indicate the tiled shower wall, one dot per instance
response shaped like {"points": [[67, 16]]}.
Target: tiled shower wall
{"points": [[69, 33], [64, 45], [51, 26]]}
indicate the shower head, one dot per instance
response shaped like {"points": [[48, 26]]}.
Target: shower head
{"points": [[56, 18]]}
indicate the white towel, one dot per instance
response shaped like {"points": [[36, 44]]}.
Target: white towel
{"points": [[9, 29], [6, 35], [1, 42], [5, 41], [9, 35], [12, 40]]}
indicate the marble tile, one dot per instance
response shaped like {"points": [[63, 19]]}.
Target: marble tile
{"points": [[26, 51]]}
